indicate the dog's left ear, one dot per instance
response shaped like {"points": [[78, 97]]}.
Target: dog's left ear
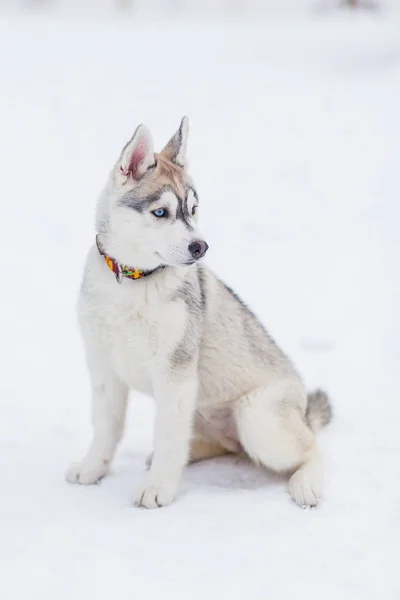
{"points": [[175, 150]]}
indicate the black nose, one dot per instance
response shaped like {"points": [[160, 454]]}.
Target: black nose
{"points": [[198, 249]]}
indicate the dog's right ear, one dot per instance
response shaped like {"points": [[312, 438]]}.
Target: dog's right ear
{"points": [[175, 150], [137, 156]]}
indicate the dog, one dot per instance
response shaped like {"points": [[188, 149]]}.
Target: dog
{"points": [[154, 320]]}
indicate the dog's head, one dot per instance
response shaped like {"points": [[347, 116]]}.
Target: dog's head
{"points": [[147, 214]]}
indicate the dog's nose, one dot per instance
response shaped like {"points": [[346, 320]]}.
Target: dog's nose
{"points": [[198, 249]]}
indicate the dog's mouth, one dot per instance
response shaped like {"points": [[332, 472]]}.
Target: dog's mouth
{"points": [[187, 263]]}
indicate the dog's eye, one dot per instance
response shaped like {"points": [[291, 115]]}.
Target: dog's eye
{"points": [[194, 210], [160, 212]]}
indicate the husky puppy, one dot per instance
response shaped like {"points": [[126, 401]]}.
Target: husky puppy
{"points": [[154, 320]]}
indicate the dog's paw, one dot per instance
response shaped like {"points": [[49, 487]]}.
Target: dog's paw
{"points": [[153, 495], [85, 473], [305, 487]]}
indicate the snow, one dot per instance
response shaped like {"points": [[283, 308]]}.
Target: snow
{"points": [[294, 146]]}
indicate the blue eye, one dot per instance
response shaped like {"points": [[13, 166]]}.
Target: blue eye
{"points": [[160, 212]]}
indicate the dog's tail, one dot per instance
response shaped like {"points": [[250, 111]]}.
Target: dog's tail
{"points": [[319, 410]]}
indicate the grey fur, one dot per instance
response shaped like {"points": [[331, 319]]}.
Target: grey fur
{"points": [[191, 293], [131, 200], [319, 410], [203, 291], [179, 139], [184, 352], [257, 337], [138, 204], [182, 213]]}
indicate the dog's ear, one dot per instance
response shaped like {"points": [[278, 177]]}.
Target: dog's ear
{"points": [[138, 154], [175, 150]]}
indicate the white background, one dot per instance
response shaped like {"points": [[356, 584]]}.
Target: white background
{"points": [[295, 149]]}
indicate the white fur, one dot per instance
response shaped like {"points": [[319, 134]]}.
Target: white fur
{"points": [[219, 382]]}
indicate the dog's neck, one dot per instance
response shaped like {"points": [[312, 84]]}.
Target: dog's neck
{"points": [[122, 271]]}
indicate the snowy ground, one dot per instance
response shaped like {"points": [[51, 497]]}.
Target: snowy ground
{"points": [[295, 147]]}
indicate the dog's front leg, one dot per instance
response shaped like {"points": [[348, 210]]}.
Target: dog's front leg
{"points": [[109, 399], [175, 398]]}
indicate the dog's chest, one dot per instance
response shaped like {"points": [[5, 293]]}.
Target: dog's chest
{"points": [[129, 330], [134, 345]]}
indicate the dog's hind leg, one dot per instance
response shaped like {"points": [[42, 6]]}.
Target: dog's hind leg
{"points": [[202, 449], [273, 431], [209, 436]]}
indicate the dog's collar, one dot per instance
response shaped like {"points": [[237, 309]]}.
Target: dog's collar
{"points": [[121, 271]]}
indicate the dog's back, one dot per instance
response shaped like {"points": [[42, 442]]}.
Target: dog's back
{"points": [[237, 354]]}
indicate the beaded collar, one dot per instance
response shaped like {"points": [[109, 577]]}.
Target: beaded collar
{"points": [[120, 271]]}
